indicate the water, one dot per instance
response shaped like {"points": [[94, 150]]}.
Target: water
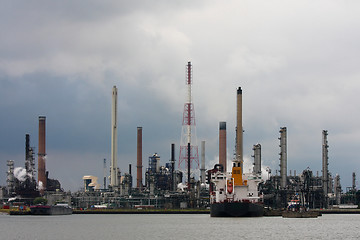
{"points": [[177, 226]]}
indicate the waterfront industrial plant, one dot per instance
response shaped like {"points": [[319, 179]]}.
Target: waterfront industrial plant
{"points": [[167, 184]]}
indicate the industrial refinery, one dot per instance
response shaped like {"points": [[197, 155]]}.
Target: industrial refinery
{"points": [[183, 182]]}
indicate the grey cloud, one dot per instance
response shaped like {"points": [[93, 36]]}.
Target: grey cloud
{"points": [[297, 63]]}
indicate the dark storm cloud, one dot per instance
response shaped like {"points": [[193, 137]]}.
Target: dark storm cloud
{"points": [[297, 62]]}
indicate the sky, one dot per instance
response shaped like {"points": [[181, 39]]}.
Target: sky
{"points": [[297, 63]]}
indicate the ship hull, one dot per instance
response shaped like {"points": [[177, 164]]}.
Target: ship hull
{"points": [[236, 209], [50, 210]]}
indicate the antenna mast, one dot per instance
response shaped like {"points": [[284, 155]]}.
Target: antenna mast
{"points": [[188, 133]]}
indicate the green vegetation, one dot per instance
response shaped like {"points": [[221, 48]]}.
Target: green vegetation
{"points": [[40, 200]]}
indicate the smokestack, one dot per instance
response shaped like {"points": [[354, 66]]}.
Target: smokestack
{"points": [[237, 169], [139, 158], [42, 153], [114, 169], [283, 157], [202, 169], [239, 129], [222, 144]]}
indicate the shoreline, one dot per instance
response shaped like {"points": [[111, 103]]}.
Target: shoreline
{"points": [[271, 213], [141, 211]]}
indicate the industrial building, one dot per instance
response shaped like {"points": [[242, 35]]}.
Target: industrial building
{"points": [[22, 186]]}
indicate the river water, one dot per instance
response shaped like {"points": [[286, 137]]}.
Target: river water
{"points": [[177, 226]]}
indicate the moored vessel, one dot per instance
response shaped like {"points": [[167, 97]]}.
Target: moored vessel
{"points": [[233, 196], [58, 209], [293, 214]]}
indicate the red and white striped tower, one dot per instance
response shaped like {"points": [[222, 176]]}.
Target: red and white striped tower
{"points": [[188, 133]]}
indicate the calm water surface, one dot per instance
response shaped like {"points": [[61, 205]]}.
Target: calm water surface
{"points": [[177, 226]]}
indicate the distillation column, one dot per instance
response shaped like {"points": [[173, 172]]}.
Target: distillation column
{"points": [[283, 158], [10, 177], [29, 159], [325, 163], [337, 188], [257, 159]]}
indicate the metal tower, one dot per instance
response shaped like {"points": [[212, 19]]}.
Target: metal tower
{"points": [[188, 157]]}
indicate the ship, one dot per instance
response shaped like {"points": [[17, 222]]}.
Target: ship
{"points": [[58, 209], [298, 208], [235, 194]]}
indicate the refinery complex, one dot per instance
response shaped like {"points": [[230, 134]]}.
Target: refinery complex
{"points": [[183, 182]]}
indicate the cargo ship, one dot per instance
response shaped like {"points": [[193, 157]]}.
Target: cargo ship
{"points": [[58, 209], [235, 194]]}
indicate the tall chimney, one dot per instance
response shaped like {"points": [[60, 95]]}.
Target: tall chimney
{"points": [[139, 159], [239, 129], [113, 167], [42, 154], [222, 144]]}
